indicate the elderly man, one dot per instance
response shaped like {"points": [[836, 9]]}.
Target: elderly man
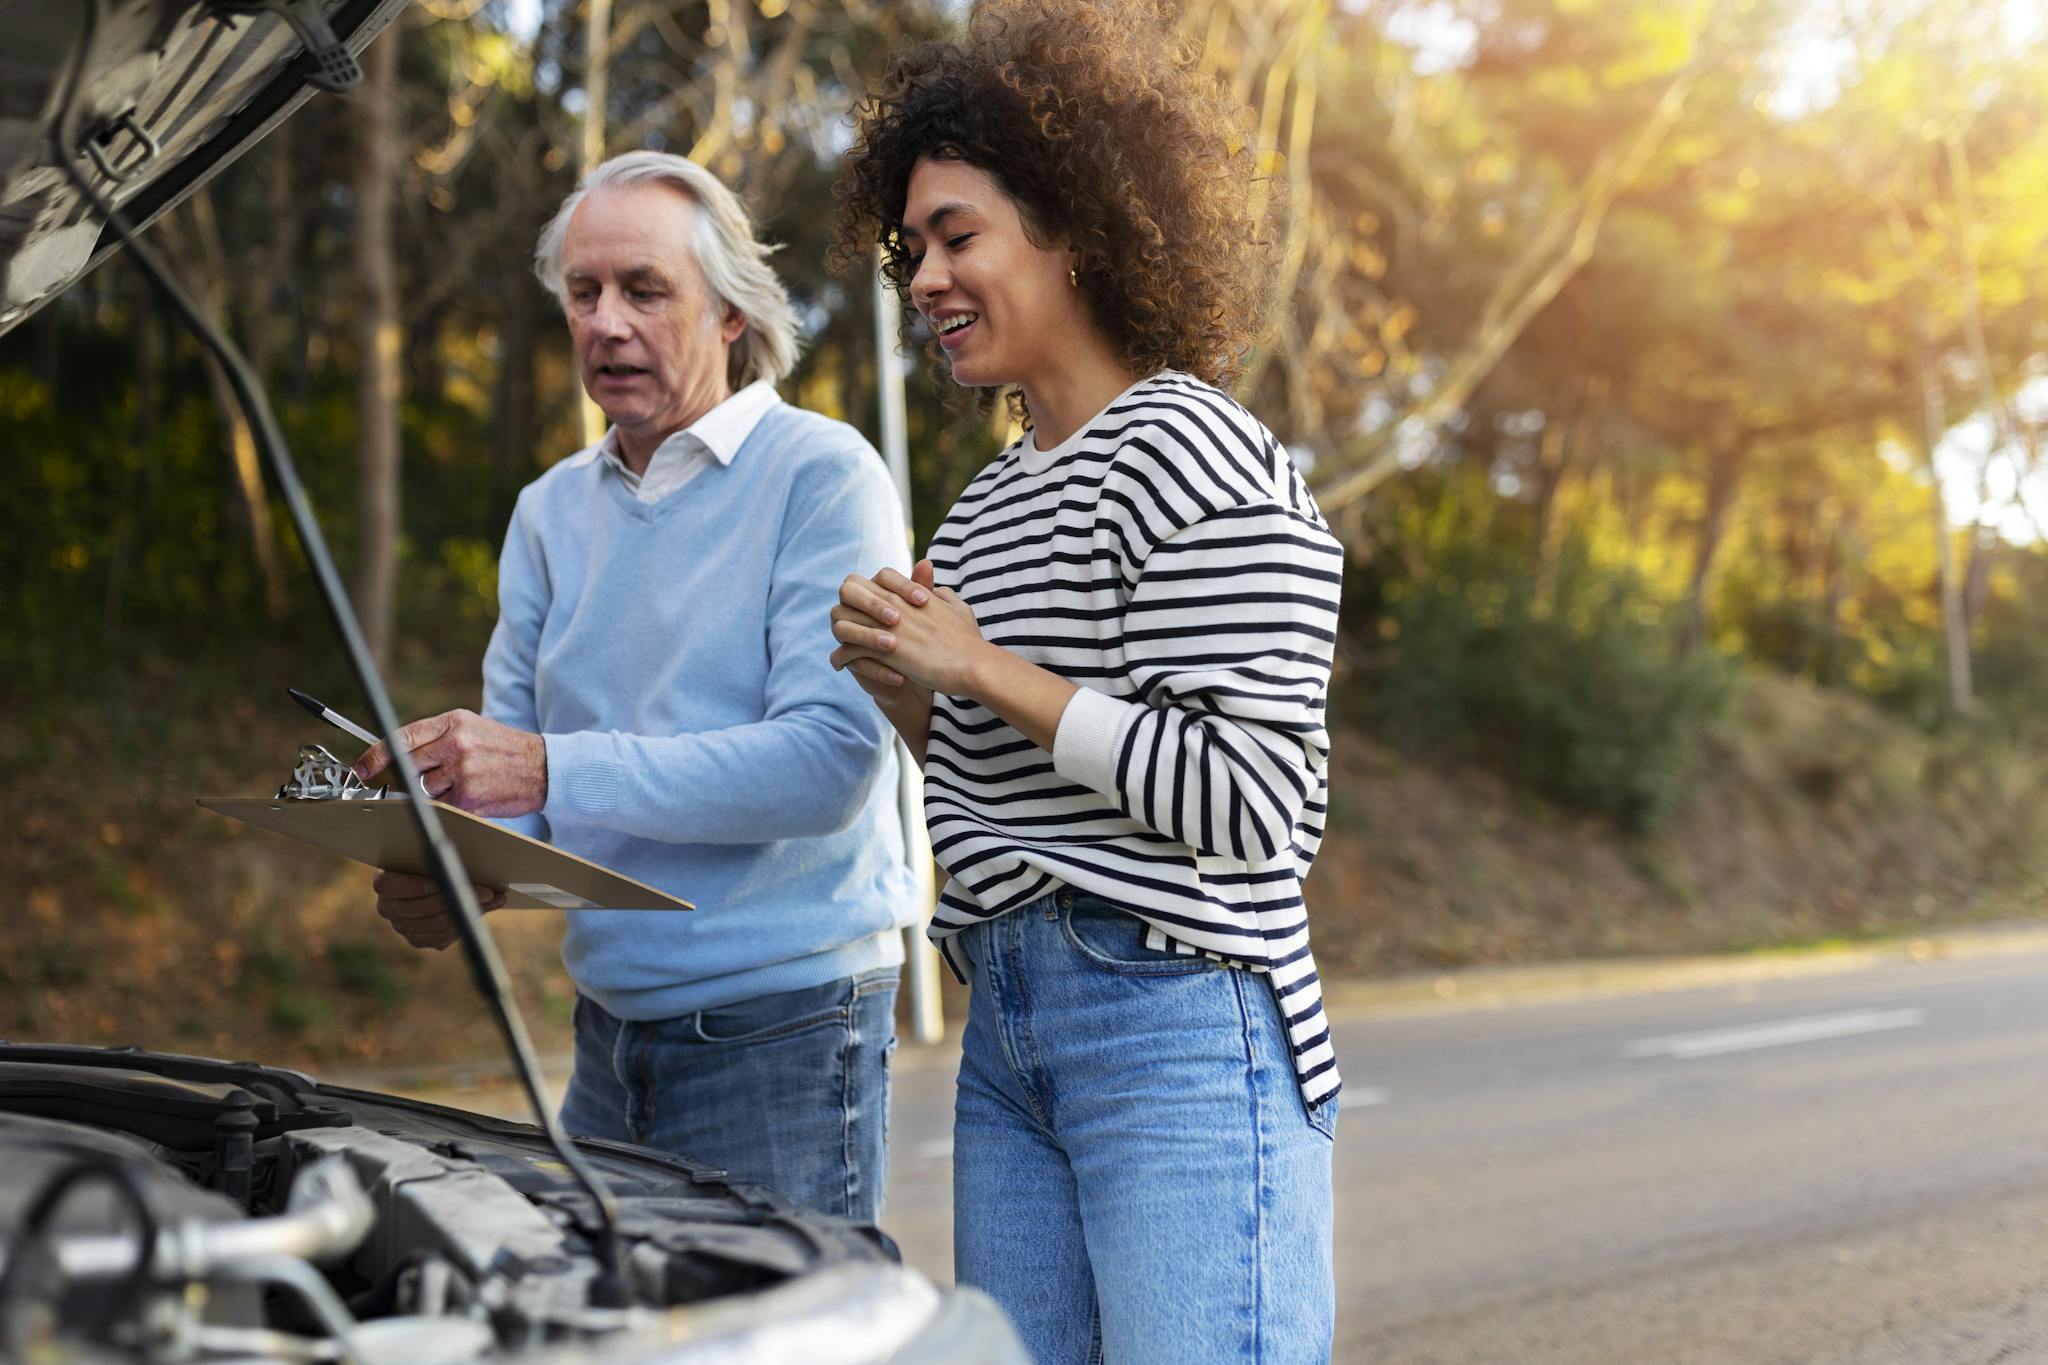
{"points": [[656, 699]]}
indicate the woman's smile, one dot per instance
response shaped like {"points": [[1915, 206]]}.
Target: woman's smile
{"points": [[953, 329]]}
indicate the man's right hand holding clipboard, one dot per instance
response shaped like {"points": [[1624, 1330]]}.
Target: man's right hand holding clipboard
{"points": [[469, 761]]}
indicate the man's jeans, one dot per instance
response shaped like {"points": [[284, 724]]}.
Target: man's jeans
{"points": [[790, 1091], [1135, 1176]]}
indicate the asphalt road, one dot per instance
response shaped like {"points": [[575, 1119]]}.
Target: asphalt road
{"points": [[1844, 1169]]}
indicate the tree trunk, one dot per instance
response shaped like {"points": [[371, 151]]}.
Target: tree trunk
{"points": [[512, 406], [48, 354], [146, 348], [1984, 546], [212, 289], [597, 37], [280, 256], [426, 372], [380, 340], [1955, 622], [1555, 453], [1724, 476], [1827, 664], [197, 258]]}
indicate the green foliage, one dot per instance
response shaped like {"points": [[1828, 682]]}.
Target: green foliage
{"points": [[362, 970], [1578, 691], [458, 588], [267, 967], [301, 1013], [127, 545], [2012, 653]]}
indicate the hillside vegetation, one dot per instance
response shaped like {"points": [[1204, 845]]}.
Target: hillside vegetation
{"points": [[1814, 816], [142, 919]]}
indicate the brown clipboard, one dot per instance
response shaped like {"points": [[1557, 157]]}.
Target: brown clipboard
{"points": [[384, 834]]}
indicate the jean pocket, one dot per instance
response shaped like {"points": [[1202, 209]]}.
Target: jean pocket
{"points": [[877, 981], [774, 1016], [1113, 939], [1322, 1115]]}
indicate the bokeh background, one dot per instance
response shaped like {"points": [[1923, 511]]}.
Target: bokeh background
{"points": [[1676, 375]]}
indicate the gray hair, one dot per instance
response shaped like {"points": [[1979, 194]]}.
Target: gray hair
{"points": [[734, 261]]}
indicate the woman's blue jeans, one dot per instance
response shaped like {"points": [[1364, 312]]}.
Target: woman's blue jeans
{"points": [[1135, 1175]]}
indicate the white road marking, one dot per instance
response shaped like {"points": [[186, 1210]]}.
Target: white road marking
{"points": [[1359, 1096], [1811, 1028], [938, 1149]]}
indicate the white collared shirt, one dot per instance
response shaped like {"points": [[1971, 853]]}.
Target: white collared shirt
{"points": [[716, 436]]}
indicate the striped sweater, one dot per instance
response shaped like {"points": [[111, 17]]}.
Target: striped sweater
{"points": [[1168, 560]]}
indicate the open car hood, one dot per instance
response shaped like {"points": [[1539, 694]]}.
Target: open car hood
{"points": [[204, 80]]}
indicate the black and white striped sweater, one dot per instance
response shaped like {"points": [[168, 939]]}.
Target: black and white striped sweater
{"points": [[1169, 561]]}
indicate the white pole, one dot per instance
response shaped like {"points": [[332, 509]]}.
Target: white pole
{"points": [[927, 1017]]}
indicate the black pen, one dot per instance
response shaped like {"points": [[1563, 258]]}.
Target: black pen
{"points": [[332, 717]]}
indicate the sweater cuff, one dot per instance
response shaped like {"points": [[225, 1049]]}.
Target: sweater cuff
{"points": [[585, 778], [1091, 730]]}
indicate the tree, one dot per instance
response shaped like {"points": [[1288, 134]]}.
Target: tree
{"points": [[380, 337]]}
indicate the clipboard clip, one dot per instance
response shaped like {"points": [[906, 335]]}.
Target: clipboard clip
{"points": [[320, 776]]}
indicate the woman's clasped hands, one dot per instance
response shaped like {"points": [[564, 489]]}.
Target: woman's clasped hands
{"points": [[895, 630]]}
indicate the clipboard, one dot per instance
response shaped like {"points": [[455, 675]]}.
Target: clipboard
{"points": [[384, 834]]}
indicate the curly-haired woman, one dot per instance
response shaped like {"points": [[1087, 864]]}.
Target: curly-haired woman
{"points": [[1113, 669]]}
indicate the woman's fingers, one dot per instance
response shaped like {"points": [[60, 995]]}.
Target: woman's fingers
{"points": [[860, 618], [847, 655], [853, 632], [915, 593], [861, 595], [861, 623], [865, 666], [949, 596], [876, 672]]}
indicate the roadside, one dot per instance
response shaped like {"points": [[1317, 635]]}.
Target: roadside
{"points": [[1661, 1159], [486, 1085], [1815, 820], [1813, 816]]}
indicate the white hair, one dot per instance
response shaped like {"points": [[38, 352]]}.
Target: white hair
{"points": [[734, 261]]}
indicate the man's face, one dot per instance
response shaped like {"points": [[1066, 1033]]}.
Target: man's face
{"points": [[650, 343]]}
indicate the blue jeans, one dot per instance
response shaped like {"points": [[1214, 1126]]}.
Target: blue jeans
{"points": [[1135, 1175], [790, 1091]]}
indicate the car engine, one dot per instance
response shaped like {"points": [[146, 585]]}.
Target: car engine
{"points": [[163, 1208]]}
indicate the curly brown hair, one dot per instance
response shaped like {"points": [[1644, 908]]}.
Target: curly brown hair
{"points": [[1113, 143]]}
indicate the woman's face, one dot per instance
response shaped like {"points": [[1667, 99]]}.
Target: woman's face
{"points": [[1001, 305]]}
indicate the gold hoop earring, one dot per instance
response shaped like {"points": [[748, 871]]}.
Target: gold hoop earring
{"points": [[1073, 277]]}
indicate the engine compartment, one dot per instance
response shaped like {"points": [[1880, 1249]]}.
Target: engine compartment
{"points": [[175, 1208]]}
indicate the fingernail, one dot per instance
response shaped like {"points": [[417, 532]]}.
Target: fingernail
{"points": [[887, 641], [890, 616], [920, 596]]}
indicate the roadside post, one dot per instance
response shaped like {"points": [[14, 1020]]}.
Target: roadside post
{"points": [[921, 960]]}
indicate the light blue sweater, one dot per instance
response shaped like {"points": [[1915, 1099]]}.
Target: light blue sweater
{"points": [[674, 657]]}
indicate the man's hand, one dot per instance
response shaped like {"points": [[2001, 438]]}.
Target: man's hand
{"points": [[483, 766], [415, 909]]}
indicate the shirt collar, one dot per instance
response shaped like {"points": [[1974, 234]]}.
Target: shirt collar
{"points": [[722, 431], [726, 427]]}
